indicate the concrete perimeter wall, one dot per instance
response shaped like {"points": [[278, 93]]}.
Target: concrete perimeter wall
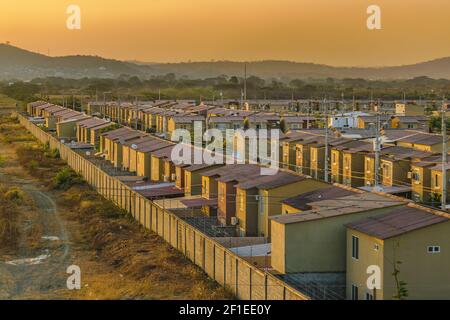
{"points": [[237, 275]]}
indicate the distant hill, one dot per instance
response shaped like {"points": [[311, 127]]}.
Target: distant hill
{"points": [[16, 63]]}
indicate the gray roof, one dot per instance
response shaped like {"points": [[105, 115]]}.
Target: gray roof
{"points": [[397, 222]]}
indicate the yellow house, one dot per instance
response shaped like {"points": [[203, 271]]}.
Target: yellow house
{"points": [[395, 167], [223, 123], [303, 155], [317, 157], [39, 109], [347, 162], [162, 167], [403, 109], [83, 131], [112, 144], [421, 179], [422, 141], [289, 123], [410, 122], [437, 183], [49, 114], [144, 152], [302, 201], [184, 121], [288, 151], [368, 122], [260, 197], [409, 239], [192, 179], [68, 128], [94, 132], [94, 108], [130, 150], [314, 241], [32, 105]]}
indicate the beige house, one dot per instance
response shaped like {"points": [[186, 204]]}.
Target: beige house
{"points": [[404, 109], [260, 197], [410, 239], [33, 105], [437, 183], [315, 240], [347, 162], [68, 128]]}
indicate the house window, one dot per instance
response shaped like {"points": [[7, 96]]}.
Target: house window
{"points": [[354, 292], [346, 163], [368, 165], [436, 181], [369, 296], [376, 247], [334, 158], [386, 171], [355, 247], [241, 200], [434, 249], [313, 155]]}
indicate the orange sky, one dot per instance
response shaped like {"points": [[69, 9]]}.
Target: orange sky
{"points": [[322, 31]]}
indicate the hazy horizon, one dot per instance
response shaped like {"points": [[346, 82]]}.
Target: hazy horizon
{"points": [[232, 61], [311, 31]]}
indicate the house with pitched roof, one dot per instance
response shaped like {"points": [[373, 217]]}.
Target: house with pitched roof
{"points": [[408, 245]]}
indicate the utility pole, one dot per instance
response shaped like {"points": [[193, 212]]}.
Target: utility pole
{"points": [[118, 111], [444, 157], [377, 154], [326, 139], [137, 112], [245, 82]]}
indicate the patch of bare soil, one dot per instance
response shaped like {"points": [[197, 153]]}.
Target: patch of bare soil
{"points": [[58, 228]]}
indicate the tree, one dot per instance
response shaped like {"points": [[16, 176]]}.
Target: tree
{"points": [[402, 292]]}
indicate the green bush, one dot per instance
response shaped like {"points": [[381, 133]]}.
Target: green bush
{"points": [[14, 194], [110, 210], [53, 153], [33, 165], [2, 160], [66, 178]]}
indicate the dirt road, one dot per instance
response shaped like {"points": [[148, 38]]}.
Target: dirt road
{"points": [[118, 259]]}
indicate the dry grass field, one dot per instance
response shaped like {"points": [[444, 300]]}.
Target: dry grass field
{"points": [[50, 219]]}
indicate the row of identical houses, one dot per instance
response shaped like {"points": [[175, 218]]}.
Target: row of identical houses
{"points": [[163, 117], [321, 238]]}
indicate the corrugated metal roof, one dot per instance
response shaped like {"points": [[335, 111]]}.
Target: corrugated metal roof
{"points": [[302, 201], [165, 152], [339, 206], [279, 179], [397, 222]]}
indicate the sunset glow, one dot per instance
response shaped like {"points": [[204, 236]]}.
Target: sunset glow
{"points": [[321, 31]]}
